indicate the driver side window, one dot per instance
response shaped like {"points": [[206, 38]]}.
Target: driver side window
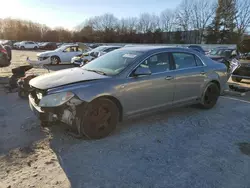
{"points": [[157, 63], [67, 49]]}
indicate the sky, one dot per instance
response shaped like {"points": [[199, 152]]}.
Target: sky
{"points": [[70, 13]]}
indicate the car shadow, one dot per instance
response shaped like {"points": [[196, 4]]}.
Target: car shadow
{"points": [[120, 157], [150, 150], [244, 148]]}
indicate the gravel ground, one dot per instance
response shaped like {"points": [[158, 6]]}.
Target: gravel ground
{"points": [[184, 147]]}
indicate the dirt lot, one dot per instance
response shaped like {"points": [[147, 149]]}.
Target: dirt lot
{"points": [[184, 148]]}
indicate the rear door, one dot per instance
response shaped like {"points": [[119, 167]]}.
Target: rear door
{"points": [[189, 76]]}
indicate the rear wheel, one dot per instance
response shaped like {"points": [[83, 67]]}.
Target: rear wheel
{"points": [[22, 47], [210, 96], [236, 79], [100, 118], [35, 48]]}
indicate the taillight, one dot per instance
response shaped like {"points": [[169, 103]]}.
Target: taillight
{"points": [[3, 50]]}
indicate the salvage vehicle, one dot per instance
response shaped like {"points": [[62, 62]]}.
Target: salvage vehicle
{"points": [[5, 55], [91, 55], [125, 83], [224, 53], [242, 72], [61, 55]]}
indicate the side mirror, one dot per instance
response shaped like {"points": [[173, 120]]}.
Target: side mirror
{"points": [[142, 71]]}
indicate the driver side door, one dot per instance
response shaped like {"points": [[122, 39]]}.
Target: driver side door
{"points": [[68, 53], [145, 93]]}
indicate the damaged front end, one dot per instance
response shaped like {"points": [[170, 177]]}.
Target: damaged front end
{"points": [[61, 107]]}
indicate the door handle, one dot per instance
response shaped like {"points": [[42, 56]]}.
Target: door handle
{"points": [[169, 78]]}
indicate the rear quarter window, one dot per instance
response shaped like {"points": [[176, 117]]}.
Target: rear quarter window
{"points": [[198, 61]]}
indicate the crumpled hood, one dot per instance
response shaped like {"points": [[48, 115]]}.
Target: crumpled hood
{"points": [[47, 53], [64, 77]]}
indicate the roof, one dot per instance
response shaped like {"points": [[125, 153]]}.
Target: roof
{"points": [[70, 45], [149, 48], [108, 46]]}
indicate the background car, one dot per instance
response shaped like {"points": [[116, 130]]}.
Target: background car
{"points": [[223, 53], [90, 55], [28, 45], [5, 56], [48, 46], [63, 54], [8, 43], [125, 83], [197, 48], [16, 45]]}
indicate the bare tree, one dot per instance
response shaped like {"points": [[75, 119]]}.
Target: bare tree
{"points": [[201, 15], [148, 22], [131, 23], [183, 15], [103, 22], [242, 18], [167, 20]]}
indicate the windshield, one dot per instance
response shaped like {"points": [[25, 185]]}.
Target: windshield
{"points": [[99, 49], [113, 63], [61, 48]]}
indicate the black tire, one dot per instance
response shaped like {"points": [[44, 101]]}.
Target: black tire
{"points": [[100, 119], [45, 123], [236, 79], [210, 96], [22, 94], [55, 60], [22, 48], [35, 48]]}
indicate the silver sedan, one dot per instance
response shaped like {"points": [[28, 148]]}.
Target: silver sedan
{"points": [[125, 83]]}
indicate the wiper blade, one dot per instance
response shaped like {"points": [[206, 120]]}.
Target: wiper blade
{"points": [[96, 71]]}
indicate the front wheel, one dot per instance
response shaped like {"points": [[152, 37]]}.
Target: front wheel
{"points": [[100, 118], [35, 48], [210, 96], [236, 79], [55, 60]]}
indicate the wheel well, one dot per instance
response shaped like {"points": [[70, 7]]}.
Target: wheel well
{"points": [[56, 57], [217, 83], [118, 104]]}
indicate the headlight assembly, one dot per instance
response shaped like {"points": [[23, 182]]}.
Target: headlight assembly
{"points": [[56, 99]]}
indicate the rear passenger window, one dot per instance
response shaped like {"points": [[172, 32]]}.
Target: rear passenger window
{"points": [[198, 61], [184, 60]]}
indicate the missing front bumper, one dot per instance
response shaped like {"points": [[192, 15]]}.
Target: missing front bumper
{"points": [[65, 113]]}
